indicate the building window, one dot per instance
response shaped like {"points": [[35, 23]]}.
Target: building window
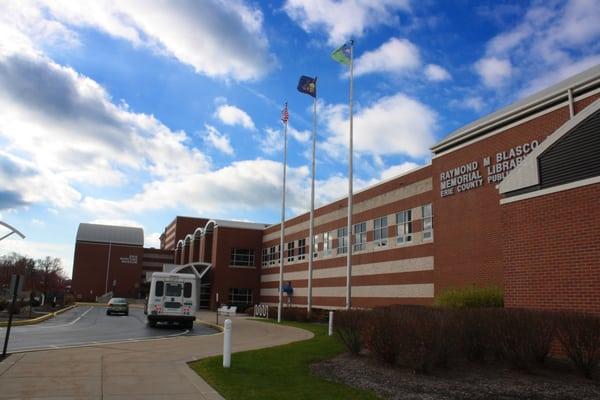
{"points": [[405, 227], [360, 234], [240, 296], [301, 249], [427, 222], [326, 243], [272, 255], [265, 257], [342, 240], [315, 246], [380, 231], [242, 257], [290, 251]]}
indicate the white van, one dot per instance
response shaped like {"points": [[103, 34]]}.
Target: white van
{"points": [[172, 299]]}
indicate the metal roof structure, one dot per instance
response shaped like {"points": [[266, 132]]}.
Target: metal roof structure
{"points": [[110, 234], [584, 81]]}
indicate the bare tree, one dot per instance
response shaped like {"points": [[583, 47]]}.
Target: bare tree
{"points": [[51, 273]]}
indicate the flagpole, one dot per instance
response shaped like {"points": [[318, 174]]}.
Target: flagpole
{"points": [[312, 210], [281, 251], [350, 178]]}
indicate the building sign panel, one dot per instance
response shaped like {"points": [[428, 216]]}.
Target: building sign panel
{"points": [[131, 259], [469, 175]]}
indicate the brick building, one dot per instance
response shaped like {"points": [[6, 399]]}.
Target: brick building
{"points": [[442, 225]]}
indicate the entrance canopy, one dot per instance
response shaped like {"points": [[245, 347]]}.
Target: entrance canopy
{"points": [[199, 269]]}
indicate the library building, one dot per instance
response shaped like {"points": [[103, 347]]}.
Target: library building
{"points": [[510, 200]]}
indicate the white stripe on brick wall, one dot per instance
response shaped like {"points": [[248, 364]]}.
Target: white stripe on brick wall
{"points": [[387, 267], [403, 192], [420, 290]]}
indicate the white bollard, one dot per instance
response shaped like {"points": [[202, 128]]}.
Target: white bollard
{"points": [[227, 344], [330, 323]]}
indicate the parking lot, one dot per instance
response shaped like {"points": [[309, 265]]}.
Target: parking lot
{"points": [[90, 325]]}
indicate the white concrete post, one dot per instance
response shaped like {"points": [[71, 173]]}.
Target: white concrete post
{"points": [[330, 323], [227, 344]]}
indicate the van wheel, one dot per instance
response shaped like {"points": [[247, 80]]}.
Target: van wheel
{"points": [[107, 312], [152, 324], [126, 313], [189, 325]]}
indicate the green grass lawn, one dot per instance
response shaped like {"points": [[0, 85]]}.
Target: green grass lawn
{"points": [[279, 372]]}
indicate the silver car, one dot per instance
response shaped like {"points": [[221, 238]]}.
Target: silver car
{"points": [[117, 305]]}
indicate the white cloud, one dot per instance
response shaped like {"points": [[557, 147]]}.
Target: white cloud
{"points": [[117, 222], [37, 249], [342, 20], [218, 140], [152, 240], [232, 115], [271, 142], [300, 136], [553, 40], [396, 124], [243, 185], [436, 73], [394, 56], [84, 136], [493, 71], [399, 169], [218, 38], [475, 103]]}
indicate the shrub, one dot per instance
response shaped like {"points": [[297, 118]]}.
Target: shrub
{"points": [[419, 339], [543, 333], [580, 336], [348, 326], [447, 335], [381, 333], [477, 333], [515, 331], [471, 297]]}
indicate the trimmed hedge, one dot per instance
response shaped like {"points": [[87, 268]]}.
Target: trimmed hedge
{"points": [[423, 338], [471, 297]]}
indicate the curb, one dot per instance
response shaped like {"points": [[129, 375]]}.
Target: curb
{"points": [[37, 320], [202, 322]]}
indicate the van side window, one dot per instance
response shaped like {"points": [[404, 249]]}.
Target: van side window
{"points": [[160, 286], [187, 289]]}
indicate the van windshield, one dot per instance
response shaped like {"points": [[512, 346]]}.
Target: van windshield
{"points": [[173, 289]]}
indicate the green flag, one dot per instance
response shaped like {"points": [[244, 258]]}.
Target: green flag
{"points": [[342, 54]]}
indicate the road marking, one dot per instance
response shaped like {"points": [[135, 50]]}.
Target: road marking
{"points": [[99, 343]]}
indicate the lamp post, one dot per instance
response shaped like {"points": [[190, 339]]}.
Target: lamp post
{"points": [[12, 230]]}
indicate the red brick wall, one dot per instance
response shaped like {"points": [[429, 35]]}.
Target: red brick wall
{"points": [[551, 251], [467, 226], [89, 270], [226, 277]]}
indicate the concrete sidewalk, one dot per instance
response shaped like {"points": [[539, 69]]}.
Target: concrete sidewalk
{"points": [[151, 370]]}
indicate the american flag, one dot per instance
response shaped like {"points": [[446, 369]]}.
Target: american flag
{"points": [[284, 114]]}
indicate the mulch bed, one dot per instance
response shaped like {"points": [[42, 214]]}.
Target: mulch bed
{"points": [[461, 381]]}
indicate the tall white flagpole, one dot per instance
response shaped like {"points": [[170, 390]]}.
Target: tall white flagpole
{"points": [[312, 210], [281, 251], [350, 177]]}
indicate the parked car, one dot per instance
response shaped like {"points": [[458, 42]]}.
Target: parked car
{"points": [[117, 305]]}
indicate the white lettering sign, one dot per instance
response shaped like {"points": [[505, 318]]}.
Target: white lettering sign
{"points": [[131, 259], [468, 176]]}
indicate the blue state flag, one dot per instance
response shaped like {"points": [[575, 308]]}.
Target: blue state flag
{"points": [[308, 85]]}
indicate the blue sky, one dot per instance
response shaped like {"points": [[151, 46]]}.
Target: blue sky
{"points": [[133, 112]]}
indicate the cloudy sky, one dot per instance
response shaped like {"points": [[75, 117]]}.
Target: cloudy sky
{"points": [[132, 112]]}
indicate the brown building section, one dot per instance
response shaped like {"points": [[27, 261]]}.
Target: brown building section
{"points": [[94, 273]]}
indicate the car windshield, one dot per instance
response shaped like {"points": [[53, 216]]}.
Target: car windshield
{"points": [[118, 301]]}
